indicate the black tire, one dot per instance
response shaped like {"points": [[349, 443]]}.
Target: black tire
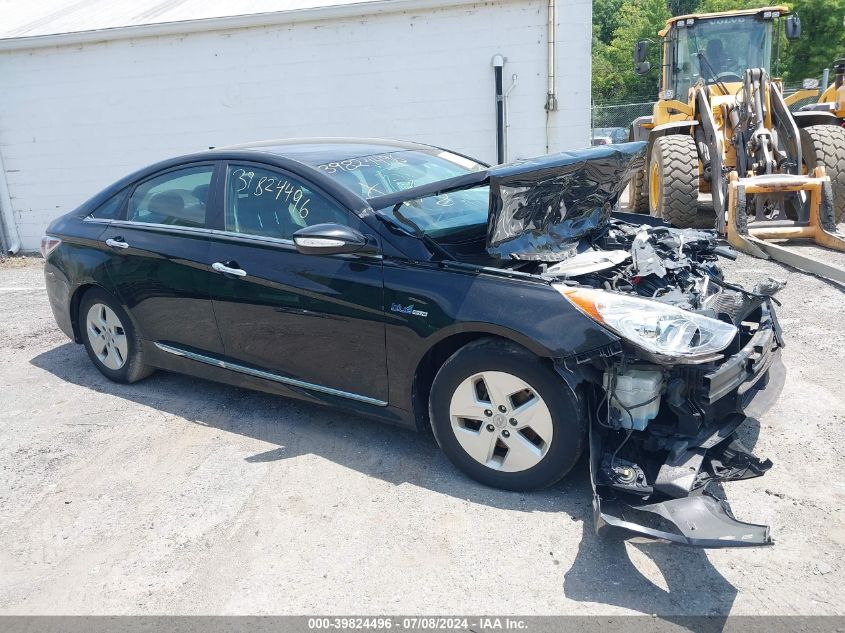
{"points": [[825, 145], [674, 162], [133, 368], [567, 417], [638, 192]]}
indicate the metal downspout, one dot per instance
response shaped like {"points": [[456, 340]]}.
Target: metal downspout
{"points": [[498, 63], [551, 95], [8, 227]]}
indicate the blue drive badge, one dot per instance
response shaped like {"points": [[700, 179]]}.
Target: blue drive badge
{"points": [[408, 309]]}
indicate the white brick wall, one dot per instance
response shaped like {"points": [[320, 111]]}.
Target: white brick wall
{"points": [[75, 118]]}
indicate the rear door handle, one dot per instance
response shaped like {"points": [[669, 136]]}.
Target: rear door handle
{"points": [[116, 242], [220, 267]]}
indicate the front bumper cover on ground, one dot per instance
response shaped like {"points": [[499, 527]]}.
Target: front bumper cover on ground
{"points": [[701, 519]]}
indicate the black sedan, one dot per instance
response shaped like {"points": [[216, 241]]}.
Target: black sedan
{"points": [[509, 309]]}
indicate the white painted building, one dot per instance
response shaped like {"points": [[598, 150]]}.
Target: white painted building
{"points": [[95, 89]]}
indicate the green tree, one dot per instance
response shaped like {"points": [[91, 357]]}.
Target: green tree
{"points": [[613, 67], [822, 39], [713, 6], [682, 7], [605, 19]]}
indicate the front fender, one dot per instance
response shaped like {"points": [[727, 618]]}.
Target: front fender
{"points": [[667, 129], [428, 304], [807, 118], [640, 128]]}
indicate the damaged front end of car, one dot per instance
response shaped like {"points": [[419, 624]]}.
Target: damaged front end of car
{"points": [[697, 356], [697, 359], [694, 357]]}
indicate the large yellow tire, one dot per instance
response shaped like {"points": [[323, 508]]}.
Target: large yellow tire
{"points": [[638, 193], [673, 180], [825, 145]]}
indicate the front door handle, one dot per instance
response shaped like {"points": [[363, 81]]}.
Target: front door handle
{"points": [[220, 267], [116, 242]]}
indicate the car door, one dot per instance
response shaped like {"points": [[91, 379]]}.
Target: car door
{"points": [[159, 262], [314, 319]]}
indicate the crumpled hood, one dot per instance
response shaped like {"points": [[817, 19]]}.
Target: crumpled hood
{"points": [[541, 207]]}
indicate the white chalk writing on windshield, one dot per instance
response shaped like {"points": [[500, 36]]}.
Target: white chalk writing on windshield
{"points": [[351, 164]]}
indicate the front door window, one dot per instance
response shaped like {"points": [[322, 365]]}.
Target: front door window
{"points": [[272, 204]]}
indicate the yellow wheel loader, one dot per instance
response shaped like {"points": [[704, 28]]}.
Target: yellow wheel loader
{"points": [[722, 125], [831, 110], [832, 100]]}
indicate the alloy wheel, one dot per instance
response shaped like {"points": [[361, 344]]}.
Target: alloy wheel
{"points": [[501, 421], [106, 336]]}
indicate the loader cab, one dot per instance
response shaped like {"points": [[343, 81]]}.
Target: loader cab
{"points": [[717, 48]]}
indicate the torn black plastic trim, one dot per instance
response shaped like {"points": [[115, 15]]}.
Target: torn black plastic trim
{"points": [[701, 521], [695, 517], [755, 402], [747, 366], [605, 351]]}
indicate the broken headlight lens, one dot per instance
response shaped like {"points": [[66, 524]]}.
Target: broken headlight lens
{"points": [[657, 327]]}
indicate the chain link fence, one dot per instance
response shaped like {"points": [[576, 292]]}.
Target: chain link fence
{"points": [[611, 122]]}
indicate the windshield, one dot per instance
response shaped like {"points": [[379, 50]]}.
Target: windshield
{"points": [[719, 48], [382, 174]]}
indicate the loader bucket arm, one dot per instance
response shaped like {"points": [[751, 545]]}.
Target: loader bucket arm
{"points": [[787, 129], [708, 135]]}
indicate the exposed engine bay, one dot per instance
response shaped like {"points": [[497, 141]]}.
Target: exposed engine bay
{"points": [[696, 356], [676, 266]]}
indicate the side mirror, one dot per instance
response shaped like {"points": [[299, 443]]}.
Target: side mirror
{"points": [[640, 52], [642, 68], [793, 27], [331, 239]]}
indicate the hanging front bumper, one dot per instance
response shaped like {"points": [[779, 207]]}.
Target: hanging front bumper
{"points": [[675, 505]]}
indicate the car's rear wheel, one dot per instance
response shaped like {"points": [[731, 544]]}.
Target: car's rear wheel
{"points": [[505, 418], [110, 339]]}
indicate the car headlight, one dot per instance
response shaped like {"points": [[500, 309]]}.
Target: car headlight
{"points": [[659, 328]]}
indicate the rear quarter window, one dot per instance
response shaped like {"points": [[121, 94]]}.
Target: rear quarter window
{"points": [[111, 208]]}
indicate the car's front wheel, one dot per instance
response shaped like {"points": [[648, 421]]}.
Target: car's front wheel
{"points": [[504, 417], [110, 339]]}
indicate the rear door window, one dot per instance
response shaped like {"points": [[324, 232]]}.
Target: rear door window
{"points": [[176, 198]]}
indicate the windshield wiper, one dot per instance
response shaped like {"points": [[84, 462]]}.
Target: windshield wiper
{"points": [[702, 60], [433, 246]]}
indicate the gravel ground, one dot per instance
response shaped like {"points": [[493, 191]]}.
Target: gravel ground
{"points": [[177, 495]]}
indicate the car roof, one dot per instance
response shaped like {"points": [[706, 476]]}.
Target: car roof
{"points": [[307, 153], [317, 151]]}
